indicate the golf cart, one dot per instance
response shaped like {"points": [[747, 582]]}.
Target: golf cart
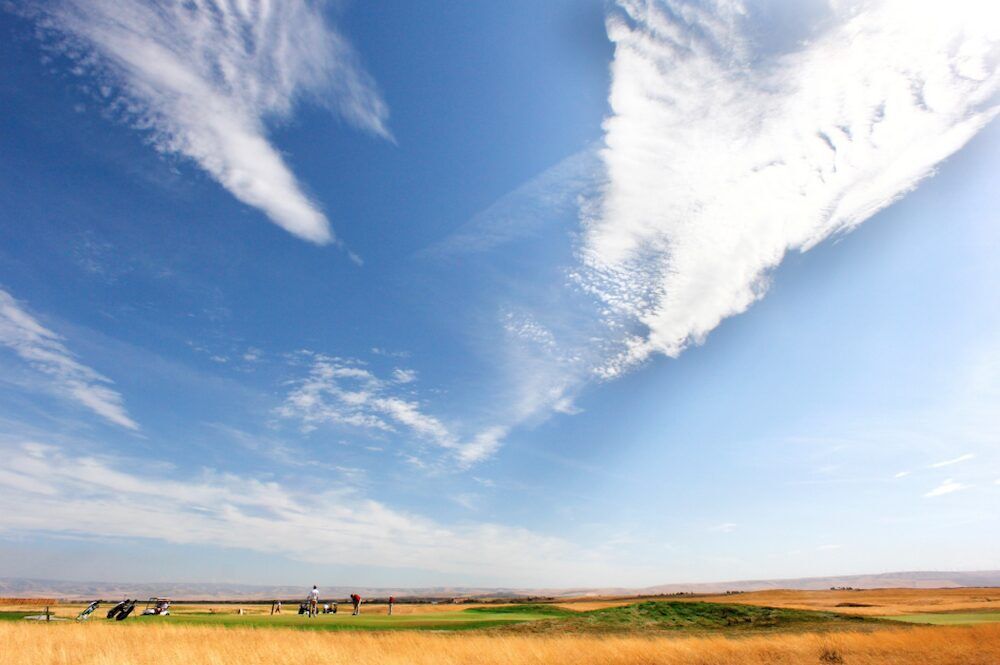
{"points": [[159, 607]]}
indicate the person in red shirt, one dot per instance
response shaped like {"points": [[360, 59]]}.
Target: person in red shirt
{"points": [[392, 600], [356, 599]]}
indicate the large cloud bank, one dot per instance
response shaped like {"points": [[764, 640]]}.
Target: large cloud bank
{"points": [[45, 488], [721, 158]]}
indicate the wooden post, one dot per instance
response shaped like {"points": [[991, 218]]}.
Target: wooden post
{"points": [[47, 615]]}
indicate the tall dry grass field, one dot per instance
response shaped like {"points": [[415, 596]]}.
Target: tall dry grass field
{"points": [[104, 644], [873, 602], [865, 602]]}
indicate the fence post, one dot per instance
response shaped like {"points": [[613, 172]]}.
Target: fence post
{"points": [[47, 615]]}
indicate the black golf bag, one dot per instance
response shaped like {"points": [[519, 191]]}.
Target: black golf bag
{"points": [[125, 611], [113, 612]]}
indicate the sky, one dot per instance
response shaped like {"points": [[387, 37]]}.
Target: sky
{"points": [[509, 294]]}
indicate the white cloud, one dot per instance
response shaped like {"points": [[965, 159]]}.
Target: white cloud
{"points": [[902, 474], [526, 328], [404, 375], [204, 77], [483, 445], [43, 350], [721, 159], [949, 462], [344, 392], [378, 351], [725, 527], [718, 160], [46, 489], [947, 487]]}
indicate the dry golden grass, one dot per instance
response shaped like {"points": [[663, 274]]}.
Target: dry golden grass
{"points": [[109, 644], [35, 605], [879, 602]]}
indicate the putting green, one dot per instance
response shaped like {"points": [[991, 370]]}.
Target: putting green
{"points": [[458, 620]]}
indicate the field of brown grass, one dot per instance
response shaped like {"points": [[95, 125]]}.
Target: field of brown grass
{"points": [[865, 602], [109, 644], [872, 602]]}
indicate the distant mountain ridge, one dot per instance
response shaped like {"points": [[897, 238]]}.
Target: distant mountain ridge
{"points": [[16, 587]]}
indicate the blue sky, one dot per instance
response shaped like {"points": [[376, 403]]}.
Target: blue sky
{"points": [[521, 294]]}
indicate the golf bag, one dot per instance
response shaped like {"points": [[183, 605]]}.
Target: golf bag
{"points": [[113, 612], [303, 608], [125, 611], [84, 615]]}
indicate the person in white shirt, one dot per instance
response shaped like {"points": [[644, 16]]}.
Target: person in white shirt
{"points": [[313, 601]]}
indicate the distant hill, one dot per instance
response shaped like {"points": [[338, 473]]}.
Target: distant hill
{"points": [[908, 580], [42, 588]]}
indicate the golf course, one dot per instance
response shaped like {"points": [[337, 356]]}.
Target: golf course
{"points": [[499, 332], [879, 626]]}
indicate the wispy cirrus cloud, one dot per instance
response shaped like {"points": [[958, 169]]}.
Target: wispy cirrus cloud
{"points": [[528, 210], [205, 77], [725, 527], [946, 487], [345, 392], [44, 350], [721, 158], [948, 462], [46, 489]]}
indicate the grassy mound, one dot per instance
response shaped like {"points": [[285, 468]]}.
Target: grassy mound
{"points": [[540, 609], [653, 616]]}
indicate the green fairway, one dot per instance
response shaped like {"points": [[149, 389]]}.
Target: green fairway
{"points": [[457, 620], [948, 618]]}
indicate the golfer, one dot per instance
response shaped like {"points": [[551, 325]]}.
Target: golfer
{"points": [[392, 601], [313, 601], [356, 599]]}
